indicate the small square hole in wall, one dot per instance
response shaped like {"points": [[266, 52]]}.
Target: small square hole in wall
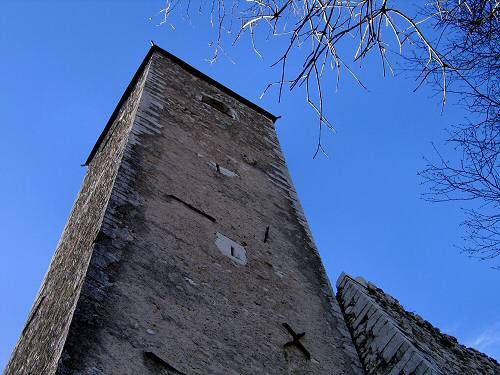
{"points": [[218, 105]]}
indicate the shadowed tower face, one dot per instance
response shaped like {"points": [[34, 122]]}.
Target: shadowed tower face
{"points": [[187, 251]]}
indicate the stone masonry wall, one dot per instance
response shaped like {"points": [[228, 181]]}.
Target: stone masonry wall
{"points": [[204, 252], [41, 343], [391, 340]]}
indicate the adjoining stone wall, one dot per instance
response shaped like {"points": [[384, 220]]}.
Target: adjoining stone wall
{"points": [[391, 340], [42, 340]]}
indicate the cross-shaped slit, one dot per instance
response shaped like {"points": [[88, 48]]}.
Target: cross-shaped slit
{"points": [[295, 342]]}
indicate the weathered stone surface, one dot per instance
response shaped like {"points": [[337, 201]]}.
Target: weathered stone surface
{"points": [[41, 343], [140, 286], [391, 340]]}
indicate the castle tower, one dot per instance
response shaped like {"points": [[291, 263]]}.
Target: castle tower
{"points": [[186, 251]]}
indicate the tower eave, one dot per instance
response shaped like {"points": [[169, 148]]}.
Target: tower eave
{"points": [[154, 48]]}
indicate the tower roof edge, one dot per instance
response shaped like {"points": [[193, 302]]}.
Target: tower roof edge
{"points": [[197, 73]]}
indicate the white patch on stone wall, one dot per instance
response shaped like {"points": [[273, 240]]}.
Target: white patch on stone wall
{"points": [[222, 170], [190, 281], [231, 249]]}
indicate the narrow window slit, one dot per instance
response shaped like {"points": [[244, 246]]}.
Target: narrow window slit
{"points": [[191, 207], [266, 235]]}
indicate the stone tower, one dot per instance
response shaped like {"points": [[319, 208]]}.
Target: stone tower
{"points": [[186, 251]]}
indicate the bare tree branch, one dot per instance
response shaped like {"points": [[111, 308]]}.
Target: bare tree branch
{"points": [[316, 29], [470, 41], [460, 57]]}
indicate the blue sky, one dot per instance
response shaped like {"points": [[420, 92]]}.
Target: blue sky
{"points": [[64, 67]]}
